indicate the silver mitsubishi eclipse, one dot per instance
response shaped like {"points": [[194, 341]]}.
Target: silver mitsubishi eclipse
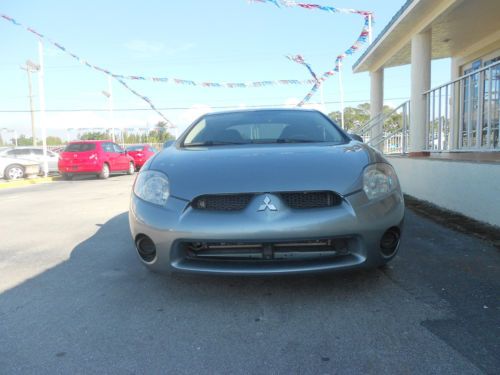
{"points": [[262, 192]]}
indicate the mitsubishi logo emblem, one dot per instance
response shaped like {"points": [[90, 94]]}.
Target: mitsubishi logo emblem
{"points": [[267, 205]]}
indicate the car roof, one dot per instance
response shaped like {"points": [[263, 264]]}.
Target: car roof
{"points": [[92, 141]]}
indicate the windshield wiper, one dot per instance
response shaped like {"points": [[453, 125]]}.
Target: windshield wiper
{"points": [[213, 143]]}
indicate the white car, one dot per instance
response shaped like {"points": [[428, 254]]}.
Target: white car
{"points": [[14, 168], [33, 153]]}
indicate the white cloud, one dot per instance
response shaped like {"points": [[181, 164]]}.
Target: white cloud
{"points": [[145, 46], [189, 115], [148, 48], [292, 102], [171, 51]]}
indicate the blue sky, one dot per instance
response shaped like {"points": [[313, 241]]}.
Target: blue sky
{"points": [[220, 40]]}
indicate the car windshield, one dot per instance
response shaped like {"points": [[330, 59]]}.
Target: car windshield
{"points": [[135, 148], [262, 127], [79, 147]]}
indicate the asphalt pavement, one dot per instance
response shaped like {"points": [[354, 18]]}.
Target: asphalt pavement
{"points": [[75, 299]]}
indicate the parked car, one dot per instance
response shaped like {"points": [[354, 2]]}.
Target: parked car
{"points": [[101, 158], [141, 154], [34, 153], [15, 168], [263, 192]]}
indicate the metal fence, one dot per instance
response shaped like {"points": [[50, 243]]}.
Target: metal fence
{"points": [[388, 132], [464, 114]]}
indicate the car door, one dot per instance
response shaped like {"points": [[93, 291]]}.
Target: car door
{"points": [[121, 157], [110, 156]]}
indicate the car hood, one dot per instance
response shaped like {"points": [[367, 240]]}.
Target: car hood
{"points": [[197, 171]]}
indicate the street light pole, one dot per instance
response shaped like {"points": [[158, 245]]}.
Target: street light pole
{"points": [[341, 91], [41, 91], [28, 68], [109, 94]]}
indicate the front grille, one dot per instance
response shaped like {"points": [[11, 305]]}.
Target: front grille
{"points": [[223, 202], [279, 250], [310, 199], [296, 200]]}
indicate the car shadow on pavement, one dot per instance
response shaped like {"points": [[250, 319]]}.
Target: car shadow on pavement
{"points": [[102, 309], [103, 304]]}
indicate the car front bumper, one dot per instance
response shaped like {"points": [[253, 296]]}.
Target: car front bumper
{"points": [[356, 227]]}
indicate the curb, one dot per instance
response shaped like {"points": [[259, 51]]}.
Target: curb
{"points": [[27, 182]]}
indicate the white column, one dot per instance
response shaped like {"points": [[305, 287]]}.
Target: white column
{"points": [[420, 82], [376, 99], [454, 92]]}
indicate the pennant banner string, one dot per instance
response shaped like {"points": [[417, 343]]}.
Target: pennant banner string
{"points": [[105, 71], [362, 38], [316, 81]]}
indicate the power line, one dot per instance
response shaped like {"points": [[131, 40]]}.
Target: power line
{"points": [[181, 108]]}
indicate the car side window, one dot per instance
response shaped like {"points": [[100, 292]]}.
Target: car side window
{"points": [[107, 147], [38, 152], [117, 148], [19, 152]]}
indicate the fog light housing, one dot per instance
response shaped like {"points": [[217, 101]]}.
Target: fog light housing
{"points": [[146, 248], [389, 242]]}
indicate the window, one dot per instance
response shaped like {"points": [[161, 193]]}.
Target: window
{"points": [[107, 147], [79, 147], [263, 126], [135, 148], [117, 148], [19, 152], [38, 152]]}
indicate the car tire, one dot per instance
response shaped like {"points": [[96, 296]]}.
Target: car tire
{"points": [[14, 172], [104, 172], [131, 168], [67, 176]]}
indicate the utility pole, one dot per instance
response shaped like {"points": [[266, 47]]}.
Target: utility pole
{"points": [[109, 94], [41, 94], [341, 90], [31, 67]]}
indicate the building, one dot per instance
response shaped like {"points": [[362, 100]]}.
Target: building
{"points": [[447, 149]]}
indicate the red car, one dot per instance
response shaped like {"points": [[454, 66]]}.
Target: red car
{"points": [[141, 154], [101, 158]]}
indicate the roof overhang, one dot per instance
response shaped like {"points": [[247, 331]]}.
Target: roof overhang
{"points": [[455, 26]]}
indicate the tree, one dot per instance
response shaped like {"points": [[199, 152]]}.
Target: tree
{"points": [[355, 117], [160, 134], [93, 136]]}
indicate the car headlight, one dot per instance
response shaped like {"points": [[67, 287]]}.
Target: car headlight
{"points": [[378, 180], [153, 187]]}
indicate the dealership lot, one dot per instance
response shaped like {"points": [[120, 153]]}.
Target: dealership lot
{"points": [[74, 298]]}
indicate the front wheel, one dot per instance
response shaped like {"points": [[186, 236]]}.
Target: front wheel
{"points": [[67, 176], [131, 168], [14, 172], [104, 172]]}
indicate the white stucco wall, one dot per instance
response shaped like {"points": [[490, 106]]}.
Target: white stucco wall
{"points": [[472, 189]]}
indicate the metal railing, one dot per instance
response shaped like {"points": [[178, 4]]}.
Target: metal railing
{"points": [[464, 114], [388, 132]]}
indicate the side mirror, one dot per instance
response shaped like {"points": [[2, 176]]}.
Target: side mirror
{"points": [[168, 143], [356, 137]]}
